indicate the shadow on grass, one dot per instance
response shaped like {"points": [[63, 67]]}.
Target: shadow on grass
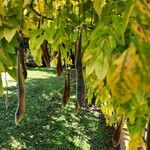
{"points": [[46, 124]]}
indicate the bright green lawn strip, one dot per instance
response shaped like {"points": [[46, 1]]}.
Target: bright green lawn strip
{"points": [[46, 124]]}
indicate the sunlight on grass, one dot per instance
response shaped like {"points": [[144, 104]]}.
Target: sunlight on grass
{"points": [[46, 127], [73, 96], [81, 143], [15, 144], [39, 74], [46, 124]]}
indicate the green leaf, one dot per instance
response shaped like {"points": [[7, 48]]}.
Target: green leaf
{"points": [[101, 66], [136, 130], [35, 42], [48, 34], [8, 47], [127, 14], [38, 55], [28, 24], [98, 6], [112, 42], [9, 34], [12, 72], [1, 33], [89, 69], [5, 58], [2, 68]]}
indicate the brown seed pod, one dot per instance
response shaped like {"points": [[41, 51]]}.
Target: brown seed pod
{"points": [[24, 69], [59, 64], [117, 133], [21, 92], [148, 1], [66, 94], [46, 56], [68, 85], [80, 88], [21, 54]]}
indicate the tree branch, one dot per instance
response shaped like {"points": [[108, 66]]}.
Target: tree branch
{"points": [[38, 14]]}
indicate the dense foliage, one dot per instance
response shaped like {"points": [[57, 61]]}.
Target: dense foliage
{"points": [[115, 46]]}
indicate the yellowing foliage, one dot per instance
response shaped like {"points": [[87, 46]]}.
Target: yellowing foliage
{"points": [[40, 7], [137, 28], [120, 76], [9, 33], [2, 12], [98, 5], [136, 143]]}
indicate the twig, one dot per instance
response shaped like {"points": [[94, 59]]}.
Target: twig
{"points": [[38, 14]]}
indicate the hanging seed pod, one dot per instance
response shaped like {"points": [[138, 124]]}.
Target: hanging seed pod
{"points": [[68, 85], [148, 1], [46, 56], [80, 85], [24, 69], [117, 133], [21, 54], [59, 64], [66, 94], [21, 92]]}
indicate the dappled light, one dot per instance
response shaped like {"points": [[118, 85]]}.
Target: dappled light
{"points": [[75, 74], [15, 144], [46, 123]]}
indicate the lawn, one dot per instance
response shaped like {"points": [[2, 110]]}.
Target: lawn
{"points": [[46, 124]]}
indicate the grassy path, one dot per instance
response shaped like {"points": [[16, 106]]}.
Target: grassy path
{"points": [[46, 124]]}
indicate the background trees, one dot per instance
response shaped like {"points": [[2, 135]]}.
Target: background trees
{"points": [[115, 47]]}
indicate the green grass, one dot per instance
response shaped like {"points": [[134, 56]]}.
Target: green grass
{"points": [[46, 124]]}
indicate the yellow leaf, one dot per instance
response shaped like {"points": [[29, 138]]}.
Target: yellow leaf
{"points": [[89, 69], [25, 2], [37, 54], [142, 8], [54, 62], [40, 6], [68, 61], [27, 26], [9, 33], [2, 12], [137, 28], [101, 66], [136, 143], [98, 84], [98, 6], [121, 74]]}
